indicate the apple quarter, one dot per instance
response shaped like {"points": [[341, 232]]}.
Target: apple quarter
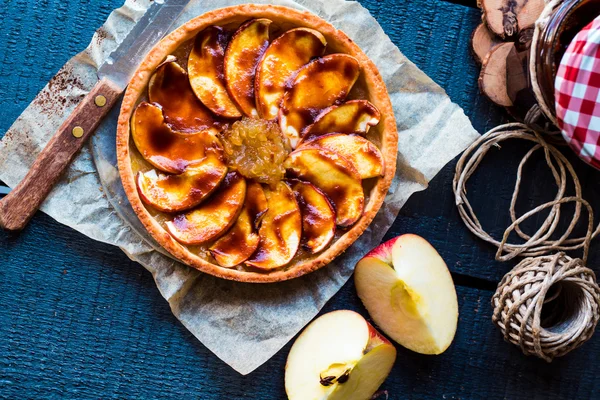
{"points": [[408, 291], [338, 356]]}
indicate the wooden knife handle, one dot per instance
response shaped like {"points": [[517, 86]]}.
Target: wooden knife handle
{"points": [[17, 208]]}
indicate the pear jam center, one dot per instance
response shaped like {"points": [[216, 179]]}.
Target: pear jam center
{"points": [[256, 148]]}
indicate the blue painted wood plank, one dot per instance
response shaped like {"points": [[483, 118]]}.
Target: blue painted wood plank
{"points": [[78, 319], [82, 321]]}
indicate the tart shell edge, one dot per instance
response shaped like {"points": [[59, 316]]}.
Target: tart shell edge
{"points": [[378, 95]]}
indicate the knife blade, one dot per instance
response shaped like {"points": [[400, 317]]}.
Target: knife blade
{"points": [[153, 26], [18, 206]]}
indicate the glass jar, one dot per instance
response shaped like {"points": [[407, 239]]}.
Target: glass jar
{"points": [[564, 22]]}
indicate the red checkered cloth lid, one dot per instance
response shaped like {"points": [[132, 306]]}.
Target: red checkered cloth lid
{"points": [[577, 93]]}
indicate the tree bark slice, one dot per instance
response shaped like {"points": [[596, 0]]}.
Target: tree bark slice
{"points": [[492, 79], [482, 42], [518, 85], [523, 42], [529, 13], [506, 18]]}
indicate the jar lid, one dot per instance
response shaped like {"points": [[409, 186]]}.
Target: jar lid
{"points": [[577, 94]]}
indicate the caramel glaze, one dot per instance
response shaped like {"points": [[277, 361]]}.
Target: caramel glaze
{"points": [[165, 149], [354, 116], [174, 193], [319, 84], [206, 72], [280, 230], [364, 156], [241, 241], [335, 176], [318, 216], [212, 218], [243, 52], [237, 245], [183, 112], [284, 56], [256, 203]]}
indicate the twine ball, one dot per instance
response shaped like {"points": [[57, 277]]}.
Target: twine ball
{"points": [[547, 305]]}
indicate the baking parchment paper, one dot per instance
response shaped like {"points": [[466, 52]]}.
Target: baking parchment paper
{"points": [[243, 324]]}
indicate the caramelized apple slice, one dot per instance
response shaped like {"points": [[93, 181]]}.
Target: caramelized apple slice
{"points": [[172, 193], [243, 52], [242, 239], [280, 230], [318, 216], [335, 176], [238, 244], [361, 153], [318, 85], [170, 87], [257, 205], [354, 116], [205, 68], [163, 148], [284, 56], [214, 216]]}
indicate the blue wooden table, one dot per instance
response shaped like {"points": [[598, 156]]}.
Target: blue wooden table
{"points": [[78, 319]]}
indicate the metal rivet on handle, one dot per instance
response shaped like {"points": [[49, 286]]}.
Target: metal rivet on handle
{"points": [[78, 131], [100, 100]]}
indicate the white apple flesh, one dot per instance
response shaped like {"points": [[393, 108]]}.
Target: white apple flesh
{"points": [[339, 356], [408, 291]]}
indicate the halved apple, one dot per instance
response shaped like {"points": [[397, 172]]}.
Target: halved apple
{"points": [[165, 149], [354, 116], [284, 56], [339, 356], [317, 85], [170, 87], [335, 176], [360, 152], [318, 216], [408, 291], [243, 52], [214, 216], [280, 230], [242, 240], [172, 193], [205, 68]]}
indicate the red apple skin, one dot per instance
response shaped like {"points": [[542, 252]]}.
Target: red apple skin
{"points": [[376, 336], [383, 252]]}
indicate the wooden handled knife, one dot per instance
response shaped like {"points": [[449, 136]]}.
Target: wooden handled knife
{"points": [[18, 206]]}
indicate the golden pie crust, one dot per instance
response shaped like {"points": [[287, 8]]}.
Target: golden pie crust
{"points": [[338, 42]]}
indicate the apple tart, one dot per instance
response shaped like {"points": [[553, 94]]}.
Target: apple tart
{"points": [[256, 143]]}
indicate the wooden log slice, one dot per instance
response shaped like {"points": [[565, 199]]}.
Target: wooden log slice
{"points": [[518, 87], [492, 79], [518, 83], [529, 13], [506, 18], [482, 42], [524, 39]]}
